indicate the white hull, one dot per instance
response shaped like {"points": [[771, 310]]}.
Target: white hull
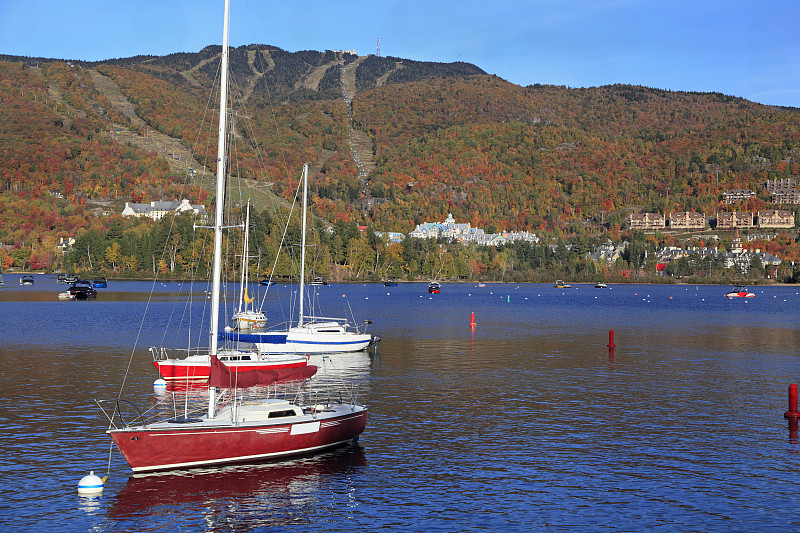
{"points": [[313, 338], [316, 345]]}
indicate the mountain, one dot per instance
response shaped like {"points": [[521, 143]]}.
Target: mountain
{"points": [[391, 142]]}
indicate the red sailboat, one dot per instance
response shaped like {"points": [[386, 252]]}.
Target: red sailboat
{"points": [[198, 367], [240, 432]]}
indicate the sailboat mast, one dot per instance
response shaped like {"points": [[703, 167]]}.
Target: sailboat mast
{"points": [[221, 168], [245, 257], [303, 245]]}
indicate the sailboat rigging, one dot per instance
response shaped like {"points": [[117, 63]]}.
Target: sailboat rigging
{"points": [[238, 431], [311, 334], [247, 317]]}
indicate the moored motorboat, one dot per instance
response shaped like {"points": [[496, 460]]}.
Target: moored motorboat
{"points": [[739, 291], [434, 288], [26, 280], [561, 285], [82, 290], [99, 282], [600, 285]]}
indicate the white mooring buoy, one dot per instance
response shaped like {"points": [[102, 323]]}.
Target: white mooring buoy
{"points": [[160, 385], [90, 484]]}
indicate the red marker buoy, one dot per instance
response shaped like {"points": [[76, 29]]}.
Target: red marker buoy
{"points": [[611, 338], [472, 321], [792, 412]]}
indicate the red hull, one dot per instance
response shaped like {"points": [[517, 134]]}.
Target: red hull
{"points": [[191, 445], [201, 371]]}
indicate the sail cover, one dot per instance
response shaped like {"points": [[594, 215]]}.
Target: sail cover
{"points": [[222, 376]]}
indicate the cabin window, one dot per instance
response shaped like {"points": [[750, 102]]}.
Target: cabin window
{"points": [[235, 358], [277, 414]]}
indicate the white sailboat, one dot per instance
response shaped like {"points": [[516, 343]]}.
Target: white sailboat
{"points": [[235, 432], [311, 334], [247, 317]]}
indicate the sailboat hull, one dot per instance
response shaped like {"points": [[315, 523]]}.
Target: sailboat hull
{"points": [[304, 340], [198, 368], [315, 343], [167, 446]]}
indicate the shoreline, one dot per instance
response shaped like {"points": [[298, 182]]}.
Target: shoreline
{"points": [[755, 283]]}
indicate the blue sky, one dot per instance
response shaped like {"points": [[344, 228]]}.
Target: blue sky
{"points": [[741, 48]]}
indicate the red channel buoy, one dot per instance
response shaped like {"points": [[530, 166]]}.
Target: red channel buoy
{"points": [[472, 321], [792, 412], [611, 338]]}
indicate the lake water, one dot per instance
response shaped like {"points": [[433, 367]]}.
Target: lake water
{"points": [[525, 423]]}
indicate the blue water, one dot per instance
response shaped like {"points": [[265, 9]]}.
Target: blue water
{"points": [[527, 422]]}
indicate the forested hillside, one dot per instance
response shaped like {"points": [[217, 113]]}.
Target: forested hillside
{"points": [[391, 143]]}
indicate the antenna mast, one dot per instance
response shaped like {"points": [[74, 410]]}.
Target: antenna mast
{"points": [[378, 53]]}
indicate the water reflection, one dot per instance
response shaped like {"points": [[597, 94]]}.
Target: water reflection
{"points": [[238, 498], [526, 419]]}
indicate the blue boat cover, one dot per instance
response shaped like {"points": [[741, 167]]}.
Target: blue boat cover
{"points": [[273, 338]]}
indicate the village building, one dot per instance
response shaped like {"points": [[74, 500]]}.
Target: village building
{"points": [[734, 219], [737, 195], [783, 191], [464, 233], [687, 220], [607, 252], [775, 218], [65, 244], [646, 221], [391, 236], [159, 209], [781, 185], [788, 197]]}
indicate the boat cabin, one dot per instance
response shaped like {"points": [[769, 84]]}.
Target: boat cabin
{"points": [[273, 409]]}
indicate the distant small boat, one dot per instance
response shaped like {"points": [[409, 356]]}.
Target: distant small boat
{"points": [[2, 284], [481, 284], [600, 285], [390, 284], [739, 291], [26, 280], [99, 283], [561, 285], [433, 288], [82, 290], [318, 281]]}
